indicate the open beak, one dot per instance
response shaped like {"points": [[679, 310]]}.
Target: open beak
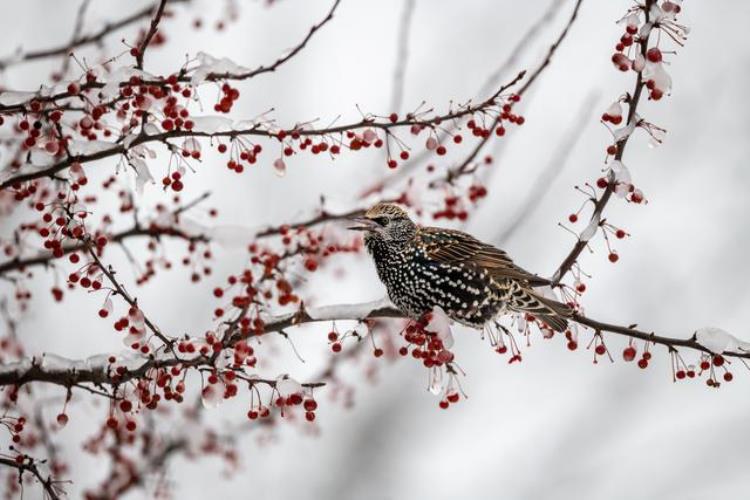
{"points": [[362, 224]]}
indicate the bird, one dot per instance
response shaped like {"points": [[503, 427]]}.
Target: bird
{"points": [[471, 281]]}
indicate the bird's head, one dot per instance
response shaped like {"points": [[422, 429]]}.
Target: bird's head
{"points": [[387, 222]]}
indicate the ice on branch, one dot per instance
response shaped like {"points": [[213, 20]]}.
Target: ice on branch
{"points": [[622, 178], [227, 236], [119, 76], [142, 173], [625, 132], [666, 12], [590, 230], [440, 324], [655, 72], [79, 148], [212, 395], [718, 341], [280, 167], [287, 386], [14, 98], [211, 124], [613, 113], [208, 65]]}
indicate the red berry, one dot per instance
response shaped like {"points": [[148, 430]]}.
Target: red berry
{"points": [[629, 353], [654, 55]]}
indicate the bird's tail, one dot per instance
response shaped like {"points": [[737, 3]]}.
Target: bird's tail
{"points": [[549, 311]]}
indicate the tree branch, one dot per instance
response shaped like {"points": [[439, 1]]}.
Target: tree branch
{"points": [[97, 369], [601, 203], [183, 75], [28, 465], [141, 50], [45, 258], [465, 166], [258, 131], [97, 37], [488, 85]]}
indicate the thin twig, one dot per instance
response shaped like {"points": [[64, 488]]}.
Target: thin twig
{"points": [[601, 203], [141, 50], [544, 181], [97, 37]]}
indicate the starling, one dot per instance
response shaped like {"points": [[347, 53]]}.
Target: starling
{"points": [[473, 282]]}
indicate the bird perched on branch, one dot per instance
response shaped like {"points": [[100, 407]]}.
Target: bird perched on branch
{"points": [[473, 282]]}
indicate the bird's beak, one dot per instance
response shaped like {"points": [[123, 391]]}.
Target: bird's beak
{"points": [[362, 224]]}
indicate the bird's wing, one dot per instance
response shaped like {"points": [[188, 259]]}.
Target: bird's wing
{"points": [[451, 247]]}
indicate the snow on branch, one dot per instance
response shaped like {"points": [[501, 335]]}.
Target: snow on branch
{"points": [[106, 369], [112, 370]]}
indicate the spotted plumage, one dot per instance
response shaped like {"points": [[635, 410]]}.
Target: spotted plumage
{"points": [[473, 282]]}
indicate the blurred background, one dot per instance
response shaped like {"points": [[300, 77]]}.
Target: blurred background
{"points": [[555, 425]]}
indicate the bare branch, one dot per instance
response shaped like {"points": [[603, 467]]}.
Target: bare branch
{"points": [[45, 258], [182, 75], [97, 37], [402, 56], [488, 85], [466, 166], [543, 183], [141, 50], [28, 465]]}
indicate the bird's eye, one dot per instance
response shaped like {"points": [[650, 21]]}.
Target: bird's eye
{"points": [[383, 221]]}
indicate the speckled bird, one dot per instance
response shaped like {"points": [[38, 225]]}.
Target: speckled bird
{"points": [[473, 282]]}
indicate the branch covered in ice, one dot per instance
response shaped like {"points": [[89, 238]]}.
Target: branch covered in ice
{"points": [[104, 370]]}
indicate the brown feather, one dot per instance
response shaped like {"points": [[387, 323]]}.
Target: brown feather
{"points": [[450, 246]]}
